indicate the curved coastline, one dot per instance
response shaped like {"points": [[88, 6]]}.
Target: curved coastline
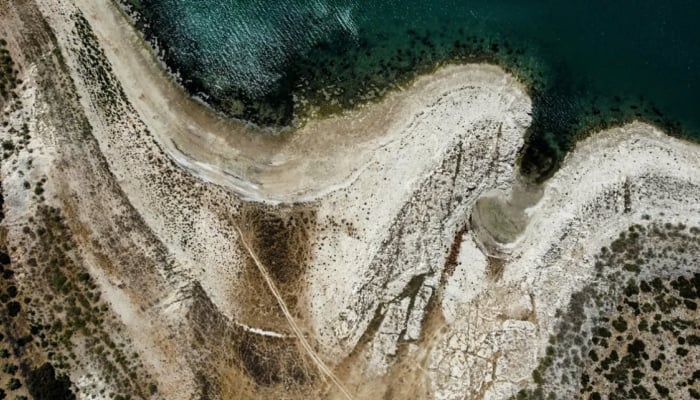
{"points": [[565, 123], [299, 166]]}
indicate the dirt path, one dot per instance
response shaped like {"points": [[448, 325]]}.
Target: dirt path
{"points": [[295, 328]]}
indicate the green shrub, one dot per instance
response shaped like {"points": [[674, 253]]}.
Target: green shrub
{"points": [[9, 368], [43, 384], [13, 384], [13, 308]]}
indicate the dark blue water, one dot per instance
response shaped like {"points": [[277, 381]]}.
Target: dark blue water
{"points": [[588, 64]]}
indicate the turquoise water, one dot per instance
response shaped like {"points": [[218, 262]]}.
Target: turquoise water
{"points": [[589, 64]]}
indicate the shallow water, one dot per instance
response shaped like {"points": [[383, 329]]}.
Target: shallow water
{"points": [[589, 64]]}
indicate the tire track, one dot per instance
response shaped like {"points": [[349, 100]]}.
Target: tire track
{"points": [[293, 325]]}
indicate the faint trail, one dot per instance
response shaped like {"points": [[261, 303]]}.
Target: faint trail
{"points": [[295, 328]]}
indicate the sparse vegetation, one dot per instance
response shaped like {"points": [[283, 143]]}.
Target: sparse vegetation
{"points": [[65, 311], [72, 312], [56, 320], [97, 70], [627, 334], [8, 74]]}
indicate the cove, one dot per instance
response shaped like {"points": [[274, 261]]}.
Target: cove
{"points": [[588, 64]]}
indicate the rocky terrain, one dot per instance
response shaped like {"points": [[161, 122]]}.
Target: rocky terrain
{"points": [[152, 250]]}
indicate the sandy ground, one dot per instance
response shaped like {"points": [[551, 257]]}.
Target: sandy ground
{"points": [[389, 189], [310, 162]]}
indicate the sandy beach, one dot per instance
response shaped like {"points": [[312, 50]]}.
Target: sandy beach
{"points": [[298, 166]]}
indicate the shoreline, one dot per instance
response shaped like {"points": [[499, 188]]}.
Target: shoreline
{"points": [[132, 14], [532, 168], [284, 168]]}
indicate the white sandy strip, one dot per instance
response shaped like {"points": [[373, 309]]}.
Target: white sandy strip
{"points": [[315, 160], [262, 332]]}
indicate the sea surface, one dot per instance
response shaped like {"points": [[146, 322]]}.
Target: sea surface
{"points": [[588, 64]]}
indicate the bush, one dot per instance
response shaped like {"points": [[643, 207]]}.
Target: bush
{"points": [[13, 308], [43, 384], [152, 389], [14, 384], [9, 368]]}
